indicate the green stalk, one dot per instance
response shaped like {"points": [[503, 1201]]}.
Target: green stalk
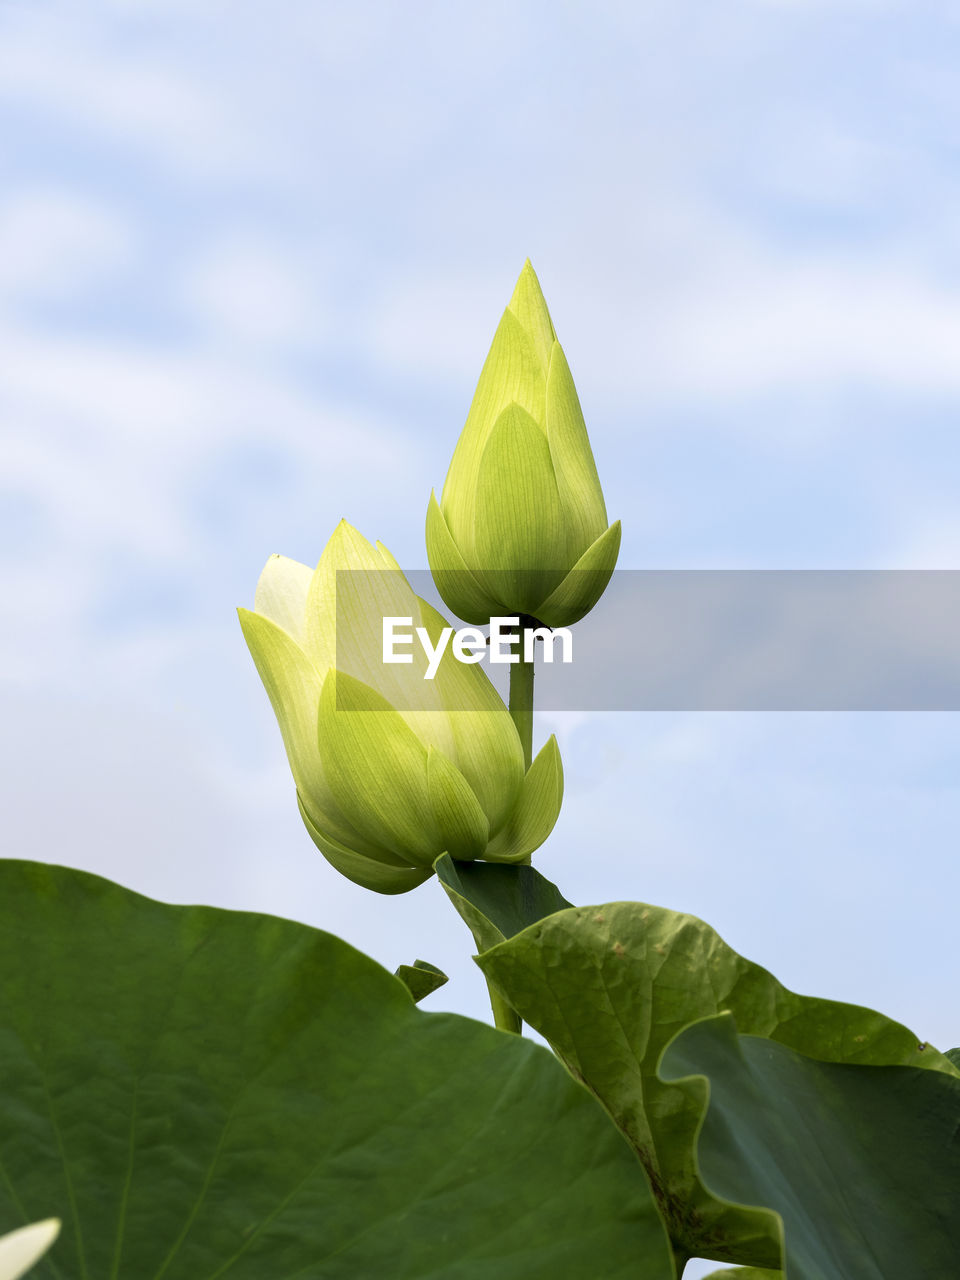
{"points": [[521, 699], [504, 1017], [521, 709]]}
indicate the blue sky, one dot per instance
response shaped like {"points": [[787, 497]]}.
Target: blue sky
{"points": [[251, 258]]}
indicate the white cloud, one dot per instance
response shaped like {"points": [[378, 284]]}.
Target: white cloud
{"points": [[931, 540], [246, 290], [826, 320], [92, 75], [106, 446], [98, 418], [55, 240], [719, 317], [820, 6]]}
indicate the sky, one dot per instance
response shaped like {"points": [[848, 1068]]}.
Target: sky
{"points": [[251, 259]]}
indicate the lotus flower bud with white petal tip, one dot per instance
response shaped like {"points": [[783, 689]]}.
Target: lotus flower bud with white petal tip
{"points": [[521, 525], [391, 769], [21, 1249]]}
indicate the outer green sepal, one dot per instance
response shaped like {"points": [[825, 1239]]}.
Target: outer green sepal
{"points": [[536, 811], [584, 584], [363, 869], [460, 589]]}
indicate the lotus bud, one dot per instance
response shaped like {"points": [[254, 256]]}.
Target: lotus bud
{"points": [[391, 769], [20, 1249], [521, 525]]}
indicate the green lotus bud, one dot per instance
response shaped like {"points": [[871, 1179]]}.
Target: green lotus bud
{"points": [[521, 525], [392, 769]]}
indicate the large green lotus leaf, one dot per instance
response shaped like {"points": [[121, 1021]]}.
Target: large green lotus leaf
{"points": [[494, 900], [860, 1165], [610, 986], [200, 1093]]}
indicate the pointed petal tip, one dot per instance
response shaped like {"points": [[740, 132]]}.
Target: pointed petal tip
{"points": [[343, 531], [529, 277], [246, 617], [278, 558], [344, 542], [390, 560], [529, 308]]}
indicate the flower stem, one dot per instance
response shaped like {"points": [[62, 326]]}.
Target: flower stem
{"points": [[503, 1016], [521, 709], [521, 700]]}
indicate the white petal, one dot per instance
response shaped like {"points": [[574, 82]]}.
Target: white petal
{"points": [[22, 1248], [282, 594]]}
